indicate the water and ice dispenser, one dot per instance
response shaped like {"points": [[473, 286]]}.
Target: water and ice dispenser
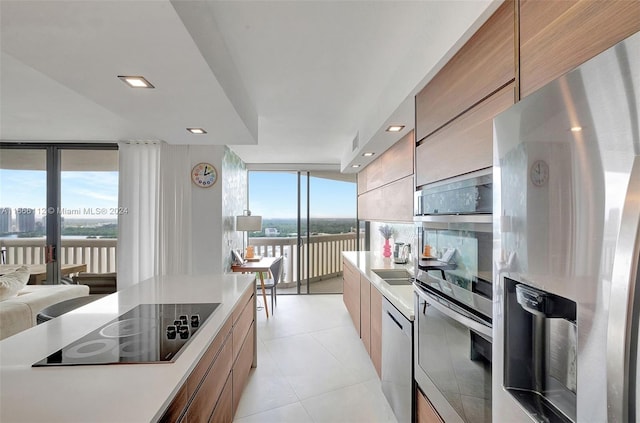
{"points": [[540, 367]]}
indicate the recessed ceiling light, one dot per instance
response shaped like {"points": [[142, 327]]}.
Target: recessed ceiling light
{"points": [[355, 166], [136, 81], [197, 131], [576, 128], [367, 154], [395, 128]]}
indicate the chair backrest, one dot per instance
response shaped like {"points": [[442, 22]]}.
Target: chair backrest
{"points": [[276, 270]]}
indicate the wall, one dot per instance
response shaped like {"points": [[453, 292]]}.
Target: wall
{"points": [[234, 201], [214, 210]]}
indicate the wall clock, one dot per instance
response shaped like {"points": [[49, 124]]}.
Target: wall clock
{"points": [[539, 173], [204, 175]]}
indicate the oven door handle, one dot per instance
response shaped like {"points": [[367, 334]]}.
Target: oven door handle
{"points": [[464, 320]]}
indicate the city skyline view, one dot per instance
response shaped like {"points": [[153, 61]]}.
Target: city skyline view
{"points": [[91, 198]]}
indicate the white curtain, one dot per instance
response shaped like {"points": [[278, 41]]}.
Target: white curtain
{"points": [[154, 234], [138, 189], [175, 210]]}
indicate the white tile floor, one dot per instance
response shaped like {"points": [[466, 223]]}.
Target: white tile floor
{"points": [[312, 367]]}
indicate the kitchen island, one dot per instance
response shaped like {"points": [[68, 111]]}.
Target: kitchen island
{"points": [[120, 393]]}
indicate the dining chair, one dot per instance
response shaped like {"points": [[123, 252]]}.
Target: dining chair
{"points": [[272, 283]]}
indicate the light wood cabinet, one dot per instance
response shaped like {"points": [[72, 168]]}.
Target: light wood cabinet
{"points": [[483, 65], [365, 312], [392, 202], [394, 164], [463, 146], [556, 36], [425, 413], [242, 367], [212, 390], [368, 305], [376, 330], [351, 293]]}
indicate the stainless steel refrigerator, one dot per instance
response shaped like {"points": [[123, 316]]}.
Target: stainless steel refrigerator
{"points": [[567, 246]]}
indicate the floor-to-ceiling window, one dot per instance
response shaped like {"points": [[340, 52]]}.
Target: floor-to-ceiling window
{"points": [[59, 207], [309, 218]]}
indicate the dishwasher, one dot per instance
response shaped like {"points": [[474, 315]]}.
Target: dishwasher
{"points": [[397, 362]]}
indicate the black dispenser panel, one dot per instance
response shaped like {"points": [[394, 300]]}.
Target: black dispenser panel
{"points": [[540, 364]]}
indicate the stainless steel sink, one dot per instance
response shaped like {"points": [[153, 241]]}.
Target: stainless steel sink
{"points": [[394, 276]]}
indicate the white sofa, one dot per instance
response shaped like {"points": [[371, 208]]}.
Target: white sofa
{"points": [[19, 313]]}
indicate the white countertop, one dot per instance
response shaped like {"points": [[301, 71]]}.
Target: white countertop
{"points": [[108, 393], [401, 296]]}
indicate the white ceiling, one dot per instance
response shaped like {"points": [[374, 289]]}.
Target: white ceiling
{"points": [[288, 83]]}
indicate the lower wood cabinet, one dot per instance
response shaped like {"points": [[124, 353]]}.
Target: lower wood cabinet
{"points": [[364, 303], [351, 293], [376, 330], [213, 389], [365, 312], [425, 413]]}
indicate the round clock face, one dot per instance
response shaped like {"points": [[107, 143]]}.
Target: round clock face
{"points": [[204, 175], [539, 173]]}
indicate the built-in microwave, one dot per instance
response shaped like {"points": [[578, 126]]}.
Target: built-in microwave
{"points": [[470, 194]]}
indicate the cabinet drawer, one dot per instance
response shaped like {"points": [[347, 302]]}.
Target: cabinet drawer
{"points": [[242, 367], [242, 302], [463, 146], [177, 406], [207, 395], [483, 65], [197, 375], [223, 412], [242, 326]]}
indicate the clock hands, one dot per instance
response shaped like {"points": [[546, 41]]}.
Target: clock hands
{"points": [[206, 172]]}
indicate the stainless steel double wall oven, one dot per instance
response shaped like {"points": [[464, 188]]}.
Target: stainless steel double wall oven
{"points": [[453, 303]]}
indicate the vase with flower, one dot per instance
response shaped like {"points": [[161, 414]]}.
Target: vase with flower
{"points": [[387, 232]]}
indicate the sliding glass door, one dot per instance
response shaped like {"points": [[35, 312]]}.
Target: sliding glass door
{"points": [[309, 218], [58, 208]]}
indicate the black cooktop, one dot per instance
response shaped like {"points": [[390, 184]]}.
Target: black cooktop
{"points": [[149, 333]]}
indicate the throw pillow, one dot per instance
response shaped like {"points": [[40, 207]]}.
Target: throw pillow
{"points": [[13, 282]]}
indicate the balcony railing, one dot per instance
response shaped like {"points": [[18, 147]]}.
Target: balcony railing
{"points": [[321, 257], [98, 254]]}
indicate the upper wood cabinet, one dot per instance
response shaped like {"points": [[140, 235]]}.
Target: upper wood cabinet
{"points": [[557, 36], [464, 145], [392, 165], [482, 66], [391, 203]]}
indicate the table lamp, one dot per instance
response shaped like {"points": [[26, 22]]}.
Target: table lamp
{"points": [[248, 223]]}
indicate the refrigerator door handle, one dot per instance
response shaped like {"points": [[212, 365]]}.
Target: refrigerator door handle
{"points": [[622, 350]]}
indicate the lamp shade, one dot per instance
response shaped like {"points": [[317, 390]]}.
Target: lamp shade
{"points": [[248, 223]]}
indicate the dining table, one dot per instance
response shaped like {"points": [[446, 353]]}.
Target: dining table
{"points": [[38, 272]]}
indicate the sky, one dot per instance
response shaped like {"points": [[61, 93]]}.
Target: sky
{"points": [[271, 194], [275, 195], [80, 191]]}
